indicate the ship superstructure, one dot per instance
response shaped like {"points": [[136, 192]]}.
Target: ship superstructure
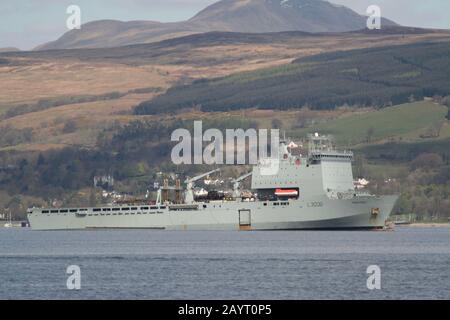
{"points": [[311, 191]]}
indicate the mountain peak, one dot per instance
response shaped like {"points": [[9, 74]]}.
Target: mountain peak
{"points": [[249, 16], [256, 16]]}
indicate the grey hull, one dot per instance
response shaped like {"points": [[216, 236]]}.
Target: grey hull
{"points": [[321, 213]]}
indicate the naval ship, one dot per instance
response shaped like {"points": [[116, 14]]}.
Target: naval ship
{"points": [[311, 191]]}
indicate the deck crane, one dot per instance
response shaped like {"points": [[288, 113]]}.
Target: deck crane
{"points": [[237, 184], [163, 192], [189, 195]]}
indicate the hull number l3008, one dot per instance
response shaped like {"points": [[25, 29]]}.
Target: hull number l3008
{"points": [[315, 204]]}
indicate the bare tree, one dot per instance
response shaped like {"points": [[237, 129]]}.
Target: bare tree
{"points": [[369, 134]]}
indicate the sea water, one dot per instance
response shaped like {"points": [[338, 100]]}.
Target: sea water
{"points": [[147, 264]]}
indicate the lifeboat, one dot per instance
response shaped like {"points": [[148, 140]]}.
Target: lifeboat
{"points": [[286, 192]]}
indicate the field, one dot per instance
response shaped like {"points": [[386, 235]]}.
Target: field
{"points": [[407, 122]]}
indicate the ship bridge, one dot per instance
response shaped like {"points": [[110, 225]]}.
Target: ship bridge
{"points": [[324, 171], [336, 165]]}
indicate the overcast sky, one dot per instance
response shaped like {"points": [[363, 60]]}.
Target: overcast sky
{"points": [[28, 23]]}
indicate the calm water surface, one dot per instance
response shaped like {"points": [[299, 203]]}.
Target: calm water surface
{"points": [[415, 263]]}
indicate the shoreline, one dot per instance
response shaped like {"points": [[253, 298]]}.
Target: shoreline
{"points": [[427, 225], [15, 224]]}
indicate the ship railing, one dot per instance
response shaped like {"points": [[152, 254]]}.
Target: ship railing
{"points": [[318, 155]]}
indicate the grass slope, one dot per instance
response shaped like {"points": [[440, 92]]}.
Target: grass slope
{"points": [[406, 122]]}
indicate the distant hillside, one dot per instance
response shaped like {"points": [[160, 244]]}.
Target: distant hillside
{"points": [[252, 16], [366, 77], [179, 46], [110, 82], [9, 49]]}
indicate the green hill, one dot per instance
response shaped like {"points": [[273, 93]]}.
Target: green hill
{"points": [[407, 122]]}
